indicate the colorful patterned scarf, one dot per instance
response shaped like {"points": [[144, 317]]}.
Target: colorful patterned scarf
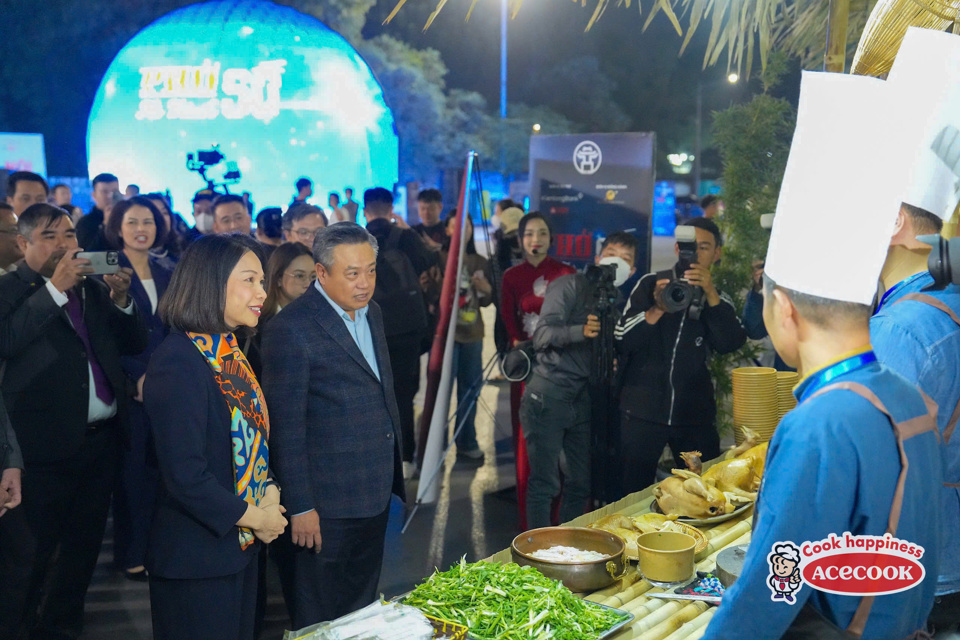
{"points": [[249, 421]]}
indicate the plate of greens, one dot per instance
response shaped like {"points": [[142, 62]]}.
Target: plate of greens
{"points": [[505, 601]]}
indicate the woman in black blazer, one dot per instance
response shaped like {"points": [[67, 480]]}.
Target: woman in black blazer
{"points": [[217, 499], [136, 227]]}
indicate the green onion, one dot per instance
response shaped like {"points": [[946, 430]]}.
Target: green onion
{"points": [[510, 602]]}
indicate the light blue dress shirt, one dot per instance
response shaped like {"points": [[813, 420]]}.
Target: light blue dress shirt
{"points": [[359, 330]]}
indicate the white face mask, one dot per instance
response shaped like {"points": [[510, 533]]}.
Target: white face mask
{"points": [[623, 269], [204, 222]]}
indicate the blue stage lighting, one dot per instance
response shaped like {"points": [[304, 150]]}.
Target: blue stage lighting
{"points": [[280, 93]]}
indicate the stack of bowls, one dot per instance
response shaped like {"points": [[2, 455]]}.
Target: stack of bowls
{"points": [[786, 381], [755, 401]]}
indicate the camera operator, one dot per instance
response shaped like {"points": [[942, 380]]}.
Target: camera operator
{"points": [[667, 394], [555, 410]]}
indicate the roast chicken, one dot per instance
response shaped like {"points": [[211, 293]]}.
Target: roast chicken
{"points": [[630, 528], [695, 493], [687, 494]]}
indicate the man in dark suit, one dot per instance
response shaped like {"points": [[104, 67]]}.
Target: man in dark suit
{"points": [[62, 336], [335, 428]]}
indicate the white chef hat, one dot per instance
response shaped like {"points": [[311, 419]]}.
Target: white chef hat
{"points": [[826, 240], [926, 77]]}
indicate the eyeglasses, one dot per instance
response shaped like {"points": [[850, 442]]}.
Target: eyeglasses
{"points": [[300, 276], [307, 234]]}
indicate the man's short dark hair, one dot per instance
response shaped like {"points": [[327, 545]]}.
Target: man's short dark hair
{"points": [[707, 225], [924, 222], [823, 312], [24, 176], [623, 239], [112, 230], [525, 220], [203, 194], [430, 195], [377, 200], [196, 297], [350, 189], [299, 212], [227, 198], [59, 186], [303, 183], [104, 177], [708, 200], [269, 221], [333, 194], [506, 203], [330, 238], [40, 214]]}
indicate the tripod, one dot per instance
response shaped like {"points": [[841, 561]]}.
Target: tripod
{"points": [[474, 394]]}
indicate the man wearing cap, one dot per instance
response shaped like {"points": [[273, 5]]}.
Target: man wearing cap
{"points": [[916, 328], [859, 453]]}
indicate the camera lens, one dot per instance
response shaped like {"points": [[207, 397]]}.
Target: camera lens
{"points": [[677, 294]]}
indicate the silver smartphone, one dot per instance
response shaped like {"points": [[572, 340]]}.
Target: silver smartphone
{"points": [[102, 262]]}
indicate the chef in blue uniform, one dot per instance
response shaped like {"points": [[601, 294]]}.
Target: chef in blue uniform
{"points": [[833, 465], [916, 328]]}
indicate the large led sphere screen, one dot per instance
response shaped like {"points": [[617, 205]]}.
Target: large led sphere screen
{"points": [[282, 96]]}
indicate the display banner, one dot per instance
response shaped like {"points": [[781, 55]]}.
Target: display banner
{"points": [[590, 185]]}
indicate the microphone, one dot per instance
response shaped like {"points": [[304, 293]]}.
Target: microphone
{"points": [[535, 251]]}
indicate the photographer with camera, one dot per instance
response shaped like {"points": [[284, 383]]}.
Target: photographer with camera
{"points": [[672, 323], [555, 410]]}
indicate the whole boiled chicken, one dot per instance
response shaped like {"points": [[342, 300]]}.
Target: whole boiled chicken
{"points": [[739, 476], [686, 494]]}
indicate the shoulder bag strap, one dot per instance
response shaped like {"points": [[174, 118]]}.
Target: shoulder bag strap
{"points": [[903, 431]]}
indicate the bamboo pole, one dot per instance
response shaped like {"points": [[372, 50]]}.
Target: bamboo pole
{"points": [[651, 620], [674, 622], [697, 624], [836, 55]]}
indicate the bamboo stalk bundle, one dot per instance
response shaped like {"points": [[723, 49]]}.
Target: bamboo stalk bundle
{"points": [[674, 622], [699, 633], [697, 624], [728, 536], [641, 626], [627, 594], [643, 606]]}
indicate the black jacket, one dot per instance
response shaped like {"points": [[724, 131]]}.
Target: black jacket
{"points": [[664, 365], [194, 532], [45, 382]]}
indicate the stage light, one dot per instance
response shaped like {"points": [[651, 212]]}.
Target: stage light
{"points": [[280, 93]]}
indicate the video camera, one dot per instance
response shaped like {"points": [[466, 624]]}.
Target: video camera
{"points": [[944, 261], [601, 278], [680, 295], [204, 160]]}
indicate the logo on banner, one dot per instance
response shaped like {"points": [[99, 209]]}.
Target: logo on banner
{"points": [[587, 158], [845, 565]]}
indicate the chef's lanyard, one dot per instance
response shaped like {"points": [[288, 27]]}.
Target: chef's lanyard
{"points": [[895, 288], [825, 376]]}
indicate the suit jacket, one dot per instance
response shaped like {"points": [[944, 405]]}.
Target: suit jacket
{"points": [[46, 381], [334, 428], [136, 366], [194, 532]]}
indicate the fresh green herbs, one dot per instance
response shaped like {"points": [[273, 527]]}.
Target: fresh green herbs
{"points": [[509, 602]]}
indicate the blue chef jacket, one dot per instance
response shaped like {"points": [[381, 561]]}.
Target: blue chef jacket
{"points": [[832, 467], [922, 344]]}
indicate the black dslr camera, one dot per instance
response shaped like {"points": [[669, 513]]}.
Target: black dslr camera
{"points": [[206, 159], [601, 278], [680, 295], [944, 261]]}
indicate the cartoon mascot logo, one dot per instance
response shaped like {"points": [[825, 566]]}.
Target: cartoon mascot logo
{"points": [[785, 580]]}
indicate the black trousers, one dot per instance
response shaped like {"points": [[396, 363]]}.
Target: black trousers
{"points": [[221, 608], [50, 543], [404, 352], [642, 442], [344, 576], [136, 494]]}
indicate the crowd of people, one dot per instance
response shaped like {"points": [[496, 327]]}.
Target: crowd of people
{"points": [[238, 395]]}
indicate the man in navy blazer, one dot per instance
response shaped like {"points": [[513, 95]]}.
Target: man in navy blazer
{"points": [[335, 428]]}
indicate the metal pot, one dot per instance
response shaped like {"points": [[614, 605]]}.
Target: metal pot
{"points": [[580, 576]]}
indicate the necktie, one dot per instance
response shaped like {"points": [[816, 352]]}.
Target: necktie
{"points": [[75, 311]]}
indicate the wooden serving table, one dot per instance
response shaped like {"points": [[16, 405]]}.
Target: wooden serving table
{"points": [[658, 619]]}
